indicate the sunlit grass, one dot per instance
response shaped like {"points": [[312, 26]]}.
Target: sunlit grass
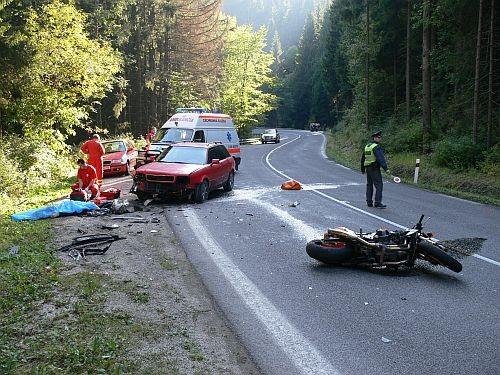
{"points": [[470, 184]]}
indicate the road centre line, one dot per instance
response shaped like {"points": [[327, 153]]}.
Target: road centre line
{"points": [[325, 195], [351, 206], [303, 354]]}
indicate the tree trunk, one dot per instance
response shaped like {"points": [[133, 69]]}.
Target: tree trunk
{"points": [[395, 83], [426, 78], [490, 76], [476, 76], [367, 73], [408, 15]]}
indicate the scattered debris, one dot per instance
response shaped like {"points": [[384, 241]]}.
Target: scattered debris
{"points": [[249, 214], [155, 220], [14, 250], [114, 226], [132, 219], [386, 340], [147, 202], [294, 204], [153, 231], [90, 245], [462, 247], [291, 185], [121, 206]]}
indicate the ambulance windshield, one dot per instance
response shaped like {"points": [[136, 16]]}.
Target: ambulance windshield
{"points": [[173, 135]]}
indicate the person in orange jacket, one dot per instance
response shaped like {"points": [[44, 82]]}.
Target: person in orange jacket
{"points": [[150, 135], [87, 179], [95, 151]]}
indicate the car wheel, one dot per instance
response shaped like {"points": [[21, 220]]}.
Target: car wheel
{"points": [[201, 192], [228, 186]]}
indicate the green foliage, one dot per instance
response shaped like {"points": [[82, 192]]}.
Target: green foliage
{"points": [[65, 72], [457, 153], [474, 184], [491, 163], [246, 73], [404, 137]]}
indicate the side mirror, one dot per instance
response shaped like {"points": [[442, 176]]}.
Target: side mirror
{"points": [[215, 161]]}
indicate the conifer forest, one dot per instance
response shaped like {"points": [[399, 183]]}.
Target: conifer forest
{"points": [[424, 71]]}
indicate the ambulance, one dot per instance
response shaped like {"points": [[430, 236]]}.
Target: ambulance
{"points": [[194, 125]]}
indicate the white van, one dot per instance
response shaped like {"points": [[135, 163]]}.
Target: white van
{"points": [[194, 125]]}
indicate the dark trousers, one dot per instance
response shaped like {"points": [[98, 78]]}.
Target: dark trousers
{"points": [[374, 178]]}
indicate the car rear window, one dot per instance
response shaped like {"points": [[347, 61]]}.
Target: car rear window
{"points": [[185, 155], [110, 147]]}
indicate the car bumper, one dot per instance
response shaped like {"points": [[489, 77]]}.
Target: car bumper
{"points": [[110, 170]]}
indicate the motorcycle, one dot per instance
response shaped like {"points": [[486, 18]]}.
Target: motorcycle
{"points": [[381, 249]]}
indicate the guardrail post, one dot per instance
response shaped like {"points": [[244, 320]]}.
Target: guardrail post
{"points": [[417, 167]]}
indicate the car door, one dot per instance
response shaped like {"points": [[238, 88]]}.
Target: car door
{"points": [[215, 170], [226, 161]]}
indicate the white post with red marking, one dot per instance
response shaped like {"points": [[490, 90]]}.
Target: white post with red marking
{"points": [[417, 167]]}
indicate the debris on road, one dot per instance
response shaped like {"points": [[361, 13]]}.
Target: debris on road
{"points": [[462, 247], [92, 244], [291, 185], [294, 204], [386, 340]]}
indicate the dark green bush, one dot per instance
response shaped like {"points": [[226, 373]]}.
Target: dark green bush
{"points": [[491, 163], [457, 154], [404, 137]]}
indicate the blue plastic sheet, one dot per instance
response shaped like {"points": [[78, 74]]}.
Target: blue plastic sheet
{"points": [[64, 207]]}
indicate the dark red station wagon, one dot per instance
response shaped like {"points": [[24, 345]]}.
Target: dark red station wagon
{"points": [[186, 169]]}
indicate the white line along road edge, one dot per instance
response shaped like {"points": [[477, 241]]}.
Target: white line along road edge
{"points": [[350, 206], [306, 358]]}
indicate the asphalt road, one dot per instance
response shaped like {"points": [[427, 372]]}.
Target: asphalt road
{"points": [[297, 316]]}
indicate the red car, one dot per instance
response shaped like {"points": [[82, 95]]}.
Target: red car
{"points": [[119, 158], [186, 169]]}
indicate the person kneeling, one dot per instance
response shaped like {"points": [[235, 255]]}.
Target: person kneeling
{"points": [[86, 187]]}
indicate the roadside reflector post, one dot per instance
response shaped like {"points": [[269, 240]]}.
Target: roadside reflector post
{"points": [[417, 167]]}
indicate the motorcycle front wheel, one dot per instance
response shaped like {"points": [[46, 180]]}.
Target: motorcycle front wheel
{"points": [[435, 255], [330, 252]]}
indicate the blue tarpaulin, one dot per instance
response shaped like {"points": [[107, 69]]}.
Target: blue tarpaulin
{"points": [[64, 207]]}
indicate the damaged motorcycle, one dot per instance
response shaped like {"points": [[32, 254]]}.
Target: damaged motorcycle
{"points": [[381, 249]]}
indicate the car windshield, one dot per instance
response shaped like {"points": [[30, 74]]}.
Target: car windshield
{"points": [[115, 146], [184, 155], [173, 135], [270, 131]]}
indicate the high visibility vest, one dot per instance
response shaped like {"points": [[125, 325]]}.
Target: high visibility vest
{"points": [[369, 154]]}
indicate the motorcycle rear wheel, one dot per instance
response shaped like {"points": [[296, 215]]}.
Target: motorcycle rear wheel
{"points": [[326, 253], [435, 255]]}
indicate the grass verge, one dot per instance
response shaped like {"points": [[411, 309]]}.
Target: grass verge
{"points": [[79, 337], [471, 184]]}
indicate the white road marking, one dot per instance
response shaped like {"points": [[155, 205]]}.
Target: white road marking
{"points": [[300, 227], [302, 353], [486, 259], [343, 203]]}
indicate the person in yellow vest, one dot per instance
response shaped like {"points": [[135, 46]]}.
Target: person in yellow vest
{"points": [[371, 161]]}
